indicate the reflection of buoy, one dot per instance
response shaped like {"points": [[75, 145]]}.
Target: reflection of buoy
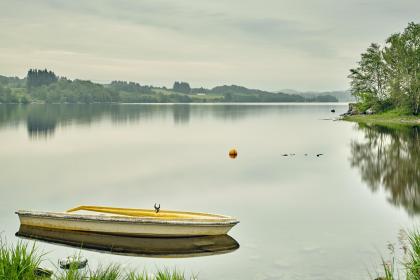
{"points": [[233, 153]]}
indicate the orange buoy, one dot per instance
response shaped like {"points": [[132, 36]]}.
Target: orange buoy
{"points": [[233, 153]]}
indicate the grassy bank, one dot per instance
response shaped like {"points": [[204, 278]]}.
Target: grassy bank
{"points": [[22, 262], [390, 118], [404, 259]]}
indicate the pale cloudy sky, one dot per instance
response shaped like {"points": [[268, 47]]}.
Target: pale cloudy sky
{"points": [[266, 44]]}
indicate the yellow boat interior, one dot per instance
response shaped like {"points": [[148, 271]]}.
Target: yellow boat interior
{"points": [[161, 214]]}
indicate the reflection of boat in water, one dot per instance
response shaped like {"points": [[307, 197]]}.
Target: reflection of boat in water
{"points": [[129, 221], [170, 247]]}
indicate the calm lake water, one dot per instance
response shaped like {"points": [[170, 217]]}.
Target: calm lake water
{"points": [[302, 216]]}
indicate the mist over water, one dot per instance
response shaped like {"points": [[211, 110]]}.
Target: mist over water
{"points": [[302, 216]]}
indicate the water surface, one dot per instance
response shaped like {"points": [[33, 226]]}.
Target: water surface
{"points": [[302, 216]]}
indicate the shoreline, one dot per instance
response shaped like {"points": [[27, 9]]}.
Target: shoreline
{"points": [[194, 102], [384, 119]]}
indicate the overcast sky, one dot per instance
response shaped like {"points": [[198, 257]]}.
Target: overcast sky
{"points": [[271, 44]]}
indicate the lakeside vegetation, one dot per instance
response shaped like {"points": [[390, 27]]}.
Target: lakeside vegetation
{"points": [[43, 86], [391, 118], [387, 159], [386, 82], [23, 262], [404, 259]]}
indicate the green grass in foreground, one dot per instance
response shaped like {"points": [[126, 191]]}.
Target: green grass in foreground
{"points": [[114, 272], [389, 118], [21, 262], [404, 264]]}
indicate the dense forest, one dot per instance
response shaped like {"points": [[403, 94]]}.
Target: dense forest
{"points": [[44, 86], [388, 77]]}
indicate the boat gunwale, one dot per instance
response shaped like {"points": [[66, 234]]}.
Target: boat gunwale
{"points": [[219, 221]]}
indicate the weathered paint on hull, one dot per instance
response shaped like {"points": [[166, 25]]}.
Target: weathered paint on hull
{"points": [[125, 226]]}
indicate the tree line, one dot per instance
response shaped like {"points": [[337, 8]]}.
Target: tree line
{"points": [[46, 87], [388, 77]]}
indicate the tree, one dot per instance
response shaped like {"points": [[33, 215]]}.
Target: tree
{"points": [[227, 97], [130, 87], [369, 79], [389, 77], [5, 94], [36, 78], [402, 56], [182, 87]]}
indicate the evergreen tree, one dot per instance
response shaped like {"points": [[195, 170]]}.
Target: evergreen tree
{"points": [[182, 87], [37, 78]]}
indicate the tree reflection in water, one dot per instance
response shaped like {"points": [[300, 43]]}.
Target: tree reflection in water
{"points": [[390, 159], [41, 123], [43, 119]]}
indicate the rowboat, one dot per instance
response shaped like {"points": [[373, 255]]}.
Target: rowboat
{"points": [[162, 247], [130, 221]]}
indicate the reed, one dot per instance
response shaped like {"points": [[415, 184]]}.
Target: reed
{"points": [[164, 274], [405, 263], [22, 262], [19, 261], [114, 272], [412, 265]]}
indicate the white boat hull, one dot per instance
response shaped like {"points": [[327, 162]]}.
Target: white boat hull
{"points": [[119, 225]]}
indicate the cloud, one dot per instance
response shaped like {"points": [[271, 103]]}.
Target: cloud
{"points": [[287, 34], [273, 44]]}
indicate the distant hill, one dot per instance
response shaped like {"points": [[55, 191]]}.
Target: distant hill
{"points": [[234, 93], [239, 93], [341, 95]]}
